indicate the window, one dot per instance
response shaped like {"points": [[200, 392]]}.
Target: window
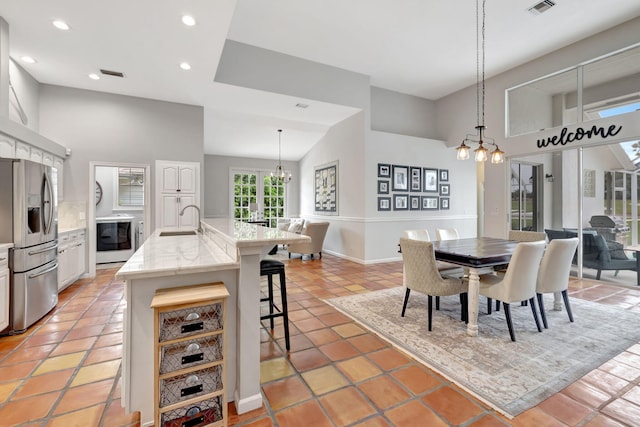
{"points": [[525, 197], [256, 197], [130, 188]]}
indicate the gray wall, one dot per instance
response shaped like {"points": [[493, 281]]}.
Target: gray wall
{"points": [[396, 112], [114, 128]]}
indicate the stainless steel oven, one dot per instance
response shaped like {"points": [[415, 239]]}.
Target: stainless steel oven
{"points": [[28, 218]]}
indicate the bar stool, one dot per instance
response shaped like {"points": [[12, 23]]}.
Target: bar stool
{"points": [[269, 267]]}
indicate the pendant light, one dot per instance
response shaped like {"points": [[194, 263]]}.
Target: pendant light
{"points": [[481, 153], [280, 176]]}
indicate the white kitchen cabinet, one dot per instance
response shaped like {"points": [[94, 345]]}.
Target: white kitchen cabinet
{"points": [[4, 289], [58, 165], [180, 178], [7, 147], [172, 204], [178, 186], [23, 151], [71, 257]]}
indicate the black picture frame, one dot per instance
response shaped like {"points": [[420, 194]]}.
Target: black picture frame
{"points": [[444, 203], [400, 202], [400, 178], [383, 186], [384, 170], [429, 203], [445, 189], [429, 180], [414, 203], [415, 176], [384, 203], [444, 175]]}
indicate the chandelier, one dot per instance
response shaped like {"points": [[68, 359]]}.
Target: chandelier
{"points": [[481, 153], [280, 176]]}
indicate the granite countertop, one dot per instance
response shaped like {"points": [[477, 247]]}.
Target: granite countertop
{"points": [[216, 250], [70, 229]]}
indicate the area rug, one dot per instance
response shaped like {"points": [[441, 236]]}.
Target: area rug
{"points": [[509, 376]]}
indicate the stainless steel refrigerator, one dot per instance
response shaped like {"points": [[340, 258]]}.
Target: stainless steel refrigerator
{"points": [[29, 219]]}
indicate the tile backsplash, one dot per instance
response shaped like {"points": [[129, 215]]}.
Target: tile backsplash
{"points": [[72, 215]]}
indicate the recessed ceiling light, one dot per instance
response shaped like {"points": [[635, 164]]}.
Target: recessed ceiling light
{"points": [[28, 59], [188, 20], [185, 66], [94, 76], [61, 25]]}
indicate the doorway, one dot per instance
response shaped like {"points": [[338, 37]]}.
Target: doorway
{"points": [[120, 195]]}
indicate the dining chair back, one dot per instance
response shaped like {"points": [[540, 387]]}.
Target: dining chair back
{"points": [[447, 234], [553, 275], [518, 283], [421, 274], [419, 234], [526, 236]]}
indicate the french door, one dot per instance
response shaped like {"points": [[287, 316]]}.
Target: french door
{"points": [[256, 197]]}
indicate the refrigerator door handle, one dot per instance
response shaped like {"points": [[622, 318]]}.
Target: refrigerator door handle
{"points": [[48, 270], [39, 251], [47, 201]]}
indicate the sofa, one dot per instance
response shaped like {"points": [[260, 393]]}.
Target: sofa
{"points": [[600, 254], [316, 231]]}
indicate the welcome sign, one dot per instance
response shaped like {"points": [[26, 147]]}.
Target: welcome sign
{"points": [[565, 137]]}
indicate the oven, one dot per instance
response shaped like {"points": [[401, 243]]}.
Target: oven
{"points": [[115, 239]]}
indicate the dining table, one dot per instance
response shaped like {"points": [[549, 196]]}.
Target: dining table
{"points": [[477, 255]]}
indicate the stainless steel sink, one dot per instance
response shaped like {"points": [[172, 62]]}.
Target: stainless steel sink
{"points": [[178, 233]]}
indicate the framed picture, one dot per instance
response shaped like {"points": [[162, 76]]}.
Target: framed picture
{"points": [[444, 175], [384, 203], [326, 189], [414, 203], [429, 203], [444, 203], [400, 178], [416, 179], [384, 170], [444, 189], [400, 202], [383, 187], [430, 180]]}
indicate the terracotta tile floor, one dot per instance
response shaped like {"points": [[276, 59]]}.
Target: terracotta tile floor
{"points": [[64, 370]]}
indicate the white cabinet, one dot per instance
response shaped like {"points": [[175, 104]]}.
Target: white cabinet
{"points": [[58, 166], [4, 289], [71, 257], [180, 178], [7, 147], [178, 186], [23, 151]]}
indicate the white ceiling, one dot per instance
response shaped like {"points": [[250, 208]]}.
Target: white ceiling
{"points": [[420, 47]]}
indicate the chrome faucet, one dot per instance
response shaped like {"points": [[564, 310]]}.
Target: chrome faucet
{"points": [[199, 220]]}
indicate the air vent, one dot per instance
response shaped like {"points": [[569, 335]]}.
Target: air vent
{"points": [[112, 73], [541, 7]]}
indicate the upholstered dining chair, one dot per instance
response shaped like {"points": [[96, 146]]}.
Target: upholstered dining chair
{"points": [[518, 283], [553, 275], [447, 234], [417, 234], [422, 275]]}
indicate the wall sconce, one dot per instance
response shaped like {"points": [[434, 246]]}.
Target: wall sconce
{"points": [[548, 177]]}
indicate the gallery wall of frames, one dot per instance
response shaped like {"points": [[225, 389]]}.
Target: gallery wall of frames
{"points": [[412, 188]]}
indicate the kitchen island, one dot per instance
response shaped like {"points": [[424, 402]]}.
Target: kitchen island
{"points": [[227, 251]]}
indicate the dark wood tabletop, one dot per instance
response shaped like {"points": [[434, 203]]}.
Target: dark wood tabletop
{"points": [[475, 252]]}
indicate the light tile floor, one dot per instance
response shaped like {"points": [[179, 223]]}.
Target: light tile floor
{"points": [[64, 371]]}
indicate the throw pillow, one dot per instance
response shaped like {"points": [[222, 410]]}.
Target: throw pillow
{"points": [[296, 226]]}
